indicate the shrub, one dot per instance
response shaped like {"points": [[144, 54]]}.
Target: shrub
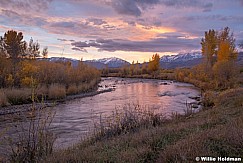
{"points": [[56, 91], [209, 99]]}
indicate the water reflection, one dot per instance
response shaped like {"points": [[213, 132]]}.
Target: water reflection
{"points": [[73, 119]]}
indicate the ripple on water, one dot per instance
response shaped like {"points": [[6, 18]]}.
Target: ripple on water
{"points": [[75, 118]]}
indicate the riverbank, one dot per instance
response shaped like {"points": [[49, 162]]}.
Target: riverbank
{"points": [[214, 132], [72, 117], [11, 109]]}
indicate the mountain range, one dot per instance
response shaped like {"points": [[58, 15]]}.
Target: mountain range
{"points": [[167, 61], [180, 60], [112, 62]]}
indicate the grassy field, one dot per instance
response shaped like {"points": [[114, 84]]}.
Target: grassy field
{"points": [[215, 131]]}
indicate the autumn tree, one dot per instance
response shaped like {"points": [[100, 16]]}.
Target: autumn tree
{"points": [[225, 69], [154, 64], [15, 47], [226, 46], [220, 53], [209, 48]]}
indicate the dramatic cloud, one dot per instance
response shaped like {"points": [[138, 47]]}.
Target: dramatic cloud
{"points": [[172, 44], [23, 19], [127, 27], [26, 5], [206, 6], [132, 7]]}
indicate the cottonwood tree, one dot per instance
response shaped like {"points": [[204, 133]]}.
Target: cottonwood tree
{"points": [[226, 46], [225, 69], [154, 64], [209, 48], [220, 53]]}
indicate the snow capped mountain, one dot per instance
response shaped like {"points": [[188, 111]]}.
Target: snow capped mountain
{"points": [[112, 62], [181, 57]]}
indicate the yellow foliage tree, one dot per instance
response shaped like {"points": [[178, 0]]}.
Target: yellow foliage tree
{"points": [[209, 45], [154, 64], [222, 45], [226, 46]]}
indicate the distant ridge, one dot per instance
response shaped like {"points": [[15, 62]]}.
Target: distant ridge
{"points": [[167, 61]]}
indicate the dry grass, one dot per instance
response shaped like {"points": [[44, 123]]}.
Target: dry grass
{"points": [[209, 98], [212, 132], [42, 90], [32, 139], [85, 87], [3, 98], [56, 91], [236, 96], [17, 96], [128, 119], [72, 89]]}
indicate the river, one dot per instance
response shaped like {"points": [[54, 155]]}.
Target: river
{"points": [[74, 119]]}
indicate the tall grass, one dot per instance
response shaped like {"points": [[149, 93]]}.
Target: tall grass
{"points": [[3, 98], [125, 120], [56, 91], [42, 91], [34, 139], [72, 89], [85, 87], [17, 96]]}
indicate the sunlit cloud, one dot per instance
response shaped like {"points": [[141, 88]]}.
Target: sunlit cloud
{"points": [[122, 28]]}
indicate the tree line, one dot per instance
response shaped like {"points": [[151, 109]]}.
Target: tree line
{"points": [[20, 68]]}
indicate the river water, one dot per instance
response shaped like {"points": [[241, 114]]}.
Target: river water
{"points": [[74, 119]]}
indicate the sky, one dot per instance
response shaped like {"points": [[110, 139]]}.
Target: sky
{"points": [[127, 29]]}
